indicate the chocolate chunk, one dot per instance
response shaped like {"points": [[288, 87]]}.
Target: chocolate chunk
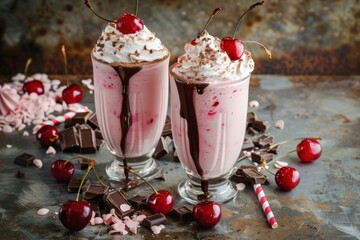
{"points": [[161, 148], [84, 163], [264, 141], [241, 156], [131, 184], [74, 185], [69, 140], [95, 205], [251, 117], [249, 175], [259, 157], [115, 199], [93, 122], [167, 128], [182, 213], [68, 123], [94, 191], [99, 143], [98, 134], [251, 131], [87, 141], [24, 159], [82, 126], [19, 174], [138, 202], [81, 117], [274, 149], [154, 220], [261, 126], [247, 145]]}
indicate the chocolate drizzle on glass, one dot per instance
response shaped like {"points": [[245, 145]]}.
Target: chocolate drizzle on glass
{"points": [[187, 112], [125, 73]]}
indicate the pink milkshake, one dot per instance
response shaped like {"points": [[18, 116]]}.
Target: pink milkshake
{"points": [[131, 97], [209, 98]]}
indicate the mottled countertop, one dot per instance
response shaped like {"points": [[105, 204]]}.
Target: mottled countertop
{"points": [[325, 205]]}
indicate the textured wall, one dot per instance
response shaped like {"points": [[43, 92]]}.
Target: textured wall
{"points": [[318, 37]]}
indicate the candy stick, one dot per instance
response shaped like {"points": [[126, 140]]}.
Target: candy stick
{"points": [[265, 205], [59, 119]]}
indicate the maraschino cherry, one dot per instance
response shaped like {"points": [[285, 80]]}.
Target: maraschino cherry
{"points": [[126, 23], [34, 86], [308, 150], [62, 170], [287, 178], [235, 47], [47, 135], [207, 213], [214, 13]]}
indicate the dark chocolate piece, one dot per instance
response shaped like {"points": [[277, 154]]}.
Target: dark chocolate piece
{"points": [[129, 184], [74, 185], [161, 148], [94, 191], [247, 145], [82, 126], [241, 156], [115, 199], [19, 174], [84, 163], [167, 128], [95, 205], [81, 117], [68, 123], [69, 140], [93, 122], [24, 159], [87, 141], [249, 175], [154, 220], [251, 117], [261, 156], [182, 213], [138, 202], [264, 141], [98, 134], [99, 143], [274, 149], [251, 131], [261, 126]]}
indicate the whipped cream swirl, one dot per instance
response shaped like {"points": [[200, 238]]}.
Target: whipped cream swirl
{"points": [[142, 46], [206, 61]]}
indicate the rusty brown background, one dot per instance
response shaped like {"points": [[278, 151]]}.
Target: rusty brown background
{"points": [[306, 37]]}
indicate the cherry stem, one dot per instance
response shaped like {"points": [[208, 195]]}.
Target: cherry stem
{"points": [[66, 162], [87, 3], [63, 51], [250, 9], [214, 13], [294, 139], [281, 156], [267, 51], [138, 175], [83, 179], [269, 171], [28, 62], [136, 8]]}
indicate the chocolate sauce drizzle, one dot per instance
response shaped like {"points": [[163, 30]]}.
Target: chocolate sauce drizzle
{"points": [[125, 73], [187, 112]]}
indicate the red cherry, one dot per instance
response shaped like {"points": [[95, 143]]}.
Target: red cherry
{"points": [[35, 86], [207, 214], [61, 171], [161, 202], [194, 41], [233, 47], [47, 135], [75, 215], [72, 94], [287, 178], [308, 150], [129, 23]]}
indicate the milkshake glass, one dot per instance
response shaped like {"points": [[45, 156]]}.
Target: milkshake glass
{"points": [[208, 117], [131, 98]]}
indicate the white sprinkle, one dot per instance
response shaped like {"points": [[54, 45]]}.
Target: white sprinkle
{"points": [[8, 146], [7, 129], [91, 92], [157, 229], [280, 124], [43, 211], [25, 133], [50, 150], [38, 163], [240, 186], [254, 104]]}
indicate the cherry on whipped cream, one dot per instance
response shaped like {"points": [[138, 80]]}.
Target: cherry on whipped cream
{"points": [[128, 23], [233, 47]]}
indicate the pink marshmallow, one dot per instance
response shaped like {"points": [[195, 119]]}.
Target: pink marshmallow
{"points": [[125, 207], [43, 211], [38, 163]]}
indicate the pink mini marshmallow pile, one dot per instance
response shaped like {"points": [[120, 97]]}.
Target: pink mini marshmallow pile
{"points": [[122, 226], [18, 109]]}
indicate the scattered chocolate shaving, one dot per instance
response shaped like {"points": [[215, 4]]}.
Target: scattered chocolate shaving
{"points": [[19, 174]]}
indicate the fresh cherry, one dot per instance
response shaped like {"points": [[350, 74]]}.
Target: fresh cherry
{"points": [[75, 215], [129, 23], [35, 86], [62, 170], [47, 135], [308, 150], [207, 214], [233, 47], [72, 94], [193, 42], [161, 202], [287, 178]]}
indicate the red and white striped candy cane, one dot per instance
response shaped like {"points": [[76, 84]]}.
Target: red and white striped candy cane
{"points": [[59, 119], [265, 205]]}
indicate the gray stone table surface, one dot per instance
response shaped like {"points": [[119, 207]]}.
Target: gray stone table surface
{"points": [[325, 205]]}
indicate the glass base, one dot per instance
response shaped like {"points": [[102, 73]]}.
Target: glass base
{"points": [[146, 166], [221, 190]]}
